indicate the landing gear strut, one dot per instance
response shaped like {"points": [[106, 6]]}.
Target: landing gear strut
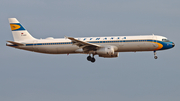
{"points": [[92, 59], [155, 56]]}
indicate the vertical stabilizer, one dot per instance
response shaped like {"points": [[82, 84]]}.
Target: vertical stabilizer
{"points": [[18, 31]]}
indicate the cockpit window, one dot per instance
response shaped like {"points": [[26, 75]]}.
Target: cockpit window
{"points": [[165, 40]]}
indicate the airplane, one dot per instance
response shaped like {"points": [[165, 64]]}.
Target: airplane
{"points": [[107, 47]]}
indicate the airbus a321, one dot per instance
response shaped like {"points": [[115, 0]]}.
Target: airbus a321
{"points": [[107, 47]]}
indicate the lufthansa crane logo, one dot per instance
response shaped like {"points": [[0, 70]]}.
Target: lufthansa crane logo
{"points": [[15, 27]]}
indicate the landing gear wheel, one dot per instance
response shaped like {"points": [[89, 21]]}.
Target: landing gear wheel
{"points": [[155, 57], [93, 60], [89, 58]]}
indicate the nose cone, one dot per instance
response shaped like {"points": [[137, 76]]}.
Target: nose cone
{"points": [[173, 44]]}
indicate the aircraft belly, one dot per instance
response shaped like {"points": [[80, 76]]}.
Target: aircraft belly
{"points": [[47, 49], [65, 49], [137, 46], [29, 48], [56, 49], [51, 49]]}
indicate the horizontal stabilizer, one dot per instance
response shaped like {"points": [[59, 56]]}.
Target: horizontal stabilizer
{"points": [[16, 43]]}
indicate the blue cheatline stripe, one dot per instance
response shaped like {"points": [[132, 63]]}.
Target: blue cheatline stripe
{"points": [[96, 42]]}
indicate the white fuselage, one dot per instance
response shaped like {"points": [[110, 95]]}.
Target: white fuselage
{"points": [[107, 47], [122, 44]]}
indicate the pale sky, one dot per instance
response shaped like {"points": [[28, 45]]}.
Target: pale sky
{"points": [[29, 76]]}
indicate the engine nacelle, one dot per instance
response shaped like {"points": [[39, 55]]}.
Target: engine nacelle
{"points": [[105, 51], [116, 54]]}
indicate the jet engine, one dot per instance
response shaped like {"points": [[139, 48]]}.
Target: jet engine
{"points": [[107, 52], [116, 54]]}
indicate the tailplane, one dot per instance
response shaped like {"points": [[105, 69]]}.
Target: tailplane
{"points": [[18, 31]]}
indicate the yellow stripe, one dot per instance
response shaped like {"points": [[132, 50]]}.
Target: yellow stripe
{"points": [[14, 27], [159, 45]]}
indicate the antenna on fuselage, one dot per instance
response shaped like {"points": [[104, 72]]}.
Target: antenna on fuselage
{"points": [[65, 37]]}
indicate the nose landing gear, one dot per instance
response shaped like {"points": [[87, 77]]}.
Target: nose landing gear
{"points": [[155, 56], [92, 59]]}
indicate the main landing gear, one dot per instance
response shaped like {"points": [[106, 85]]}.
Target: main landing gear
{"points": [[92, 59], [155, 56]]}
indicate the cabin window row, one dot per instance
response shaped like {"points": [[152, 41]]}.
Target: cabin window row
{"points": [[55, 43], [92, 42]]}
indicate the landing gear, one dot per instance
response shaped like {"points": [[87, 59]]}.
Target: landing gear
{"points": [[155, 56], [89, 58], [92, 59]]}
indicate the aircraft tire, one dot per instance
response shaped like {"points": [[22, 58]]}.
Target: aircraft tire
{"points": [[155, 57], [89, 58], [93, 60]]}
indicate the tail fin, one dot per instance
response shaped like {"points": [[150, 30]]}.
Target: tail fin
{"points": [[18, 31]]}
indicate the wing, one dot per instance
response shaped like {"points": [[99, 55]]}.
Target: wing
{"points": [[84, 45]]}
